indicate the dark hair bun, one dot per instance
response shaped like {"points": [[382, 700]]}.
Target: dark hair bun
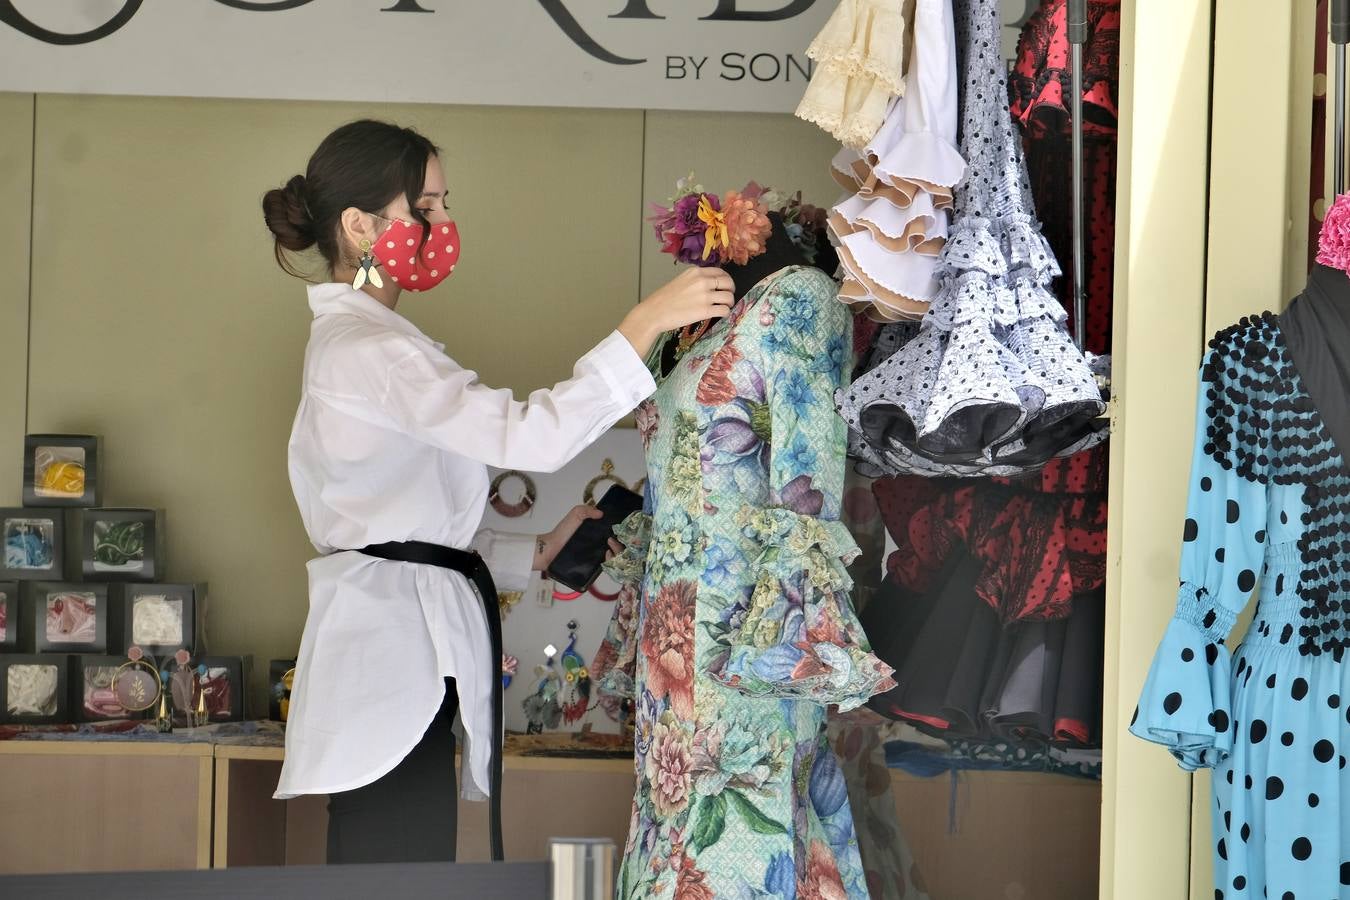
{"points": [[287, 216]]}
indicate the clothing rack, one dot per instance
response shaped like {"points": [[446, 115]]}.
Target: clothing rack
{"points": [[1340, 36], [1076, 11], [1078, 35]]}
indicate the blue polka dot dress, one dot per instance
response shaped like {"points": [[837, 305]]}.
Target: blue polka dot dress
{"points": [[1269, 506]]}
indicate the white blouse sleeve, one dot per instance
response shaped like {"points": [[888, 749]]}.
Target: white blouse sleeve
{"points": [[509, 557], [437, 401]]}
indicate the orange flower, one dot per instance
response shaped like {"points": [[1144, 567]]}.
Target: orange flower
{"points": [[668, 645], [715, 237], [691, 883], [716, 389], [747, 227], [821, 880]]}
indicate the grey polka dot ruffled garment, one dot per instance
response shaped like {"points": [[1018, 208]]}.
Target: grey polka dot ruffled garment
{"points": [[992, 384]]}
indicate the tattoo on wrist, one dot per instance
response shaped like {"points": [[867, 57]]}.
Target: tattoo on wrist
{"points": [[540, 545]]}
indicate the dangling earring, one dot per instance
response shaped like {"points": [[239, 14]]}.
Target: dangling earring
{"points": [[576, 692], [365, 269], [541, 708]]}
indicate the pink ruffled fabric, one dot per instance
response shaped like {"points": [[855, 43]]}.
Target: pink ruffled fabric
{"points": [[1333, 244]]}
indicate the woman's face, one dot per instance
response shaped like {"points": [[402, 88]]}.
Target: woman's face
{"points": [[433, 202]]}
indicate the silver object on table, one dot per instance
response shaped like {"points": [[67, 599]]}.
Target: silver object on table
{"points": [[582, 868]]}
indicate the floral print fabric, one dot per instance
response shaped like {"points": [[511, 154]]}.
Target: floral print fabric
{"points": [[735, 630]]}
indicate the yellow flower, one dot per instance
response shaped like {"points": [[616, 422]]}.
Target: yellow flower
{"points": [[715, 238]]}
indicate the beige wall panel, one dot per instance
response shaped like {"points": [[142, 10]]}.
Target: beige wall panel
{"points": [[1250, 194], [162, 322], [725, 152], [16, 196], [1302, 87], [1160, 282], [1257, 237]]}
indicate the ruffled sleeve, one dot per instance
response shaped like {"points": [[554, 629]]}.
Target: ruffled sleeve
{"points": [[859, 57], [1186, 703], [614, 667], [798, 636], [893, 227]]}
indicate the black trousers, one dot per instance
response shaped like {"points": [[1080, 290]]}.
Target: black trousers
{"points": [[408, 815]]}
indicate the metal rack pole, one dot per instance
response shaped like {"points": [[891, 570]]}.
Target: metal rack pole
{"points": [[1340, 35], [1078, 33]]}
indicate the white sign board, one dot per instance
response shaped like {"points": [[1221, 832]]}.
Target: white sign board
{"points": [[730, 55]]}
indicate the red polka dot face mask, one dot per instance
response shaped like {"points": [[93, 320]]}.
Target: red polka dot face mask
{"points": [[397, 251]]}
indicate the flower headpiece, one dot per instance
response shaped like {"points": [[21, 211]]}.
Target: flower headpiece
{"points": [[704, 229]]}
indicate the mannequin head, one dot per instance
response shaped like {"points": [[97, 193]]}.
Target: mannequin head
{"points": [[779, 253]]}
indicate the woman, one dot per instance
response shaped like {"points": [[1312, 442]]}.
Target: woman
{"points": [[390, 446]]}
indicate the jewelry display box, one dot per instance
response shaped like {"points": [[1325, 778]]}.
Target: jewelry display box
{"points": [[161, 619], [121, 544], [225, 686], [34, 689], [62, 470], [67, 617], [280, 679], [11, 617], [110, 688], [35, 544]]}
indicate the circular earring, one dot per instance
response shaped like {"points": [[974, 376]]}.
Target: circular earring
{"points": [[136, 683], [606, 474], [521, 506]]}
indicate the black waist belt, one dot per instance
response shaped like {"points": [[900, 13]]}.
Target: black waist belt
{"points": [[470, 565]]}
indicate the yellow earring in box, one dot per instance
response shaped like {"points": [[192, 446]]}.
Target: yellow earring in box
{"points": [[287, 681], [61, 470]]}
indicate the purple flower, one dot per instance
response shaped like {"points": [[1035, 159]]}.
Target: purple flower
{"points": [[744, 432], [686, 213], [799, 496], [691, 249]]}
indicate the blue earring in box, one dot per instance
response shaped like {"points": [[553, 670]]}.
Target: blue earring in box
{"points": [[34, 689], [35, 544], [94, 689], [122, 544], [11, 617], [161, 618], [65, 617], [61, 470]]}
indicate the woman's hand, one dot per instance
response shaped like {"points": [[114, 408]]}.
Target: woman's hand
{"points": [[548, 545], [692, 296]]}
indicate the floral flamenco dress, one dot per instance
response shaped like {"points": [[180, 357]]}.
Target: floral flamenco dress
{"points": [[734, 631]]}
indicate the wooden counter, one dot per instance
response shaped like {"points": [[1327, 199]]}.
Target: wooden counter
{"points": [[86, 806], [82, 806]]}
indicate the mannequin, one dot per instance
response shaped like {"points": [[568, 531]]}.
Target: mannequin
{"points": [[734, 631], [1267, 505]]}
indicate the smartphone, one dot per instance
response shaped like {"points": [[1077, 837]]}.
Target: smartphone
{"points": [[579, 562]]}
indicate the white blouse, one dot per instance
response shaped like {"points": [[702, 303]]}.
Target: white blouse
{"points": [[391, 443]]}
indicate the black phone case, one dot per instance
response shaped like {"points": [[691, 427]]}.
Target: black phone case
{"points": [[578, 563]]}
